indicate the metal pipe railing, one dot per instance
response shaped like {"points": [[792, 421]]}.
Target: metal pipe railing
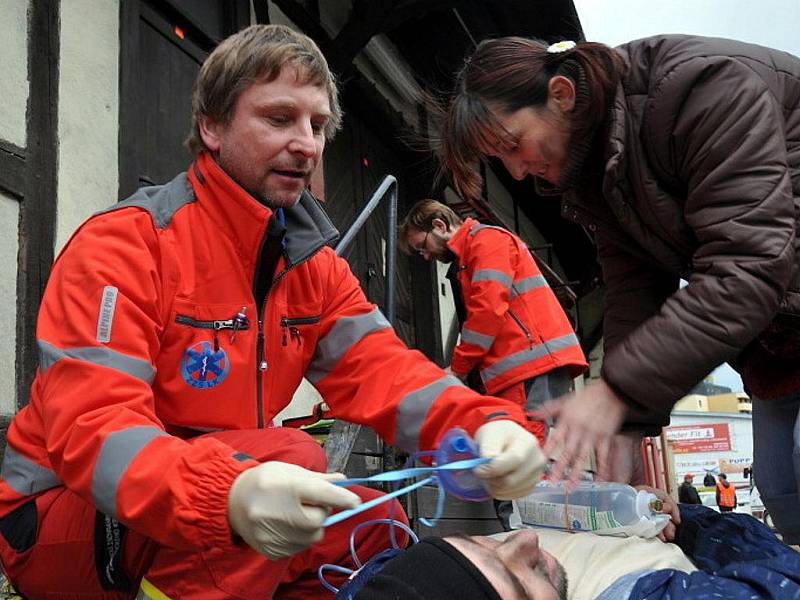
{"points": [[389, 184], [343, 435]]}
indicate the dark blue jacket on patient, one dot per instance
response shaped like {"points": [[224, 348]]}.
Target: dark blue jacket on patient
{"points": [[737, 555]]}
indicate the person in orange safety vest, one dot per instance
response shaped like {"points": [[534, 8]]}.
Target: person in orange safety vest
{"points": [[177, 324], [726, 494]]}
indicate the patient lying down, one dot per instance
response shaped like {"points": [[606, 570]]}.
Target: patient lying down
{"points": [[701, 553]]}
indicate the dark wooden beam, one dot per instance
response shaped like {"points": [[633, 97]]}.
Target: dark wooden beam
{"points": [[261, 10], [12, 170], [38, 210], [369, 18], [305, 20], [129, 65]]}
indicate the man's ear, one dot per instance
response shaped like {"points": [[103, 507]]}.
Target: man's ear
{"points": [[439, 225], [210, 132], [561, 94]]}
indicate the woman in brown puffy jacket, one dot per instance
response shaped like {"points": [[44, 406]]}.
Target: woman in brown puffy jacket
{"points": [[681, 155]]}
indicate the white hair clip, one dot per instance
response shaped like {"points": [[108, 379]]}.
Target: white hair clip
{"points": [[559, 47]]}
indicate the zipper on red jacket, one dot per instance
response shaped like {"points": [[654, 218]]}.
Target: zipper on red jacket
{"points": [[525, 330], [261, 303], [289, 326], [237, 323], [263, 280]]}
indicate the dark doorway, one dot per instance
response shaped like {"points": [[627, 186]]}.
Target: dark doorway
{"points": [[356, 162], [162, 45]]}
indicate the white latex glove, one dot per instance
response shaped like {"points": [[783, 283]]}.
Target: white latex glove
{"points": [[278, 508], [518, 462]]}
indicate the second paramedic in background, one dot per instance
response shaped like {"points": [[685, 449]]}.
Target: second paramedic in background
{"points": [[515, 335]]}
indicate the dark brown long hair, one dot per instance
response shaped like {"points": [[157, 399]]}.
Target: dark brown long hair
{"points": [[513, 73]]}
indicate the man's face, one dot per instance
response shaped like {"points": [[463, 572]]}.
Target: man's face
{"points": [[515, 566], [274, 139], [430, 245]]}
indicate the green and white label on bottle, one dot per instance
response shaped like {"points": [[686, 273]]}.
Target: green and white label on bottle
{"points": [[569, 517]]}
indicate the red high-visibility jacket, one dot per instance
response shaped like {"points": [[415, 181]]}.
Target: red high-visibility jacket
{"points": [[515, 328], [140, 348]]}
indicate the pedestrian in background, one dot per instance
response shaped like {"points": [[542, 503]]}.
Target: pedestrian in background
{"points": [[687, 493], [726, 494]]}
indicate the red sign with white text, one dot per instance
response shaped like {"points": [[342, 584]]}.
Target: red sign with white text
{"points": [[715, 437]]}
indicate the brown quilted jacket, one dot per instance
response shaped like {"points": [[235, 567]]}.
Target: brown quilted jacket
{"points": [[701, 181]]}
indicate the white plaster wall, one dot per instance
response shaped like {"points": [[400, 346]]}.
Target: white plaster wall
{"points": [[304, 399], [9, 220], [447, 306], [88, 114], [13, 71]]}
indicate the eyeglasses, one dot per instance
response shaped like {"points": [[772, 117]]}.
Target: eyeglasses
{"points": [[423, 247]]}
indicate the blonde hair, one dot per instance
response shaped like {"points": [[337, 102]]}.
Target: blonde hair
{"points": [[420, 218], [257, 53]]}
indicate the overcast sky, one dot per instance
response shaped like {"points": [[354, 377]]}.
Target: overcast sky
{"points": [[774, 23]]}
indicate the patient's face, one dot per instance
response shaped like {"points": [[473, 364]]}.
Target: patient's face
{"points": [[516, 566]]}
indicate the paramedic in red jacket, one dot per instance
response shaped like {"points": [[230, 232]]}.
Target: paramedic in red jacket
{"points": [[514, 332], [176, 325]]}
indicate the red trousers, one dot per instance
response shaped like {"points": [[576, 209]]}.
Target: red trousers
{"points": [[61, 562]]}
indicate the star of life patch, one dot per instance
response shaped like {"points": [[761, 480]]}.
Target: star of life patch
{"points": [[108, 303]]}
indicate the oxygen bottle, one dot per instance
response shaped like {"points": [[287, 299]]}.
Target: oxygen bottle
{"points": [[601, 507]]}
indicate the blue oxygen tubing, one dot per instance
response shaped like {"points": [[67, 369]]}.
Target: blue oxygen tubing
{"points": [[389, 553], [454, 462]]}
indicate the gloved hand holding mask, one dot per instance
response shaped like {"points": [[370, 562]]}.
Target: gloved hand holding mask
{"points": [[518, 461], [278, 508]]}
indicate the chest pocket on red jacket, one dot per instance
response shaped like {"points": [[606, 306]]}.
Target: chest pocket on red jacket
{"points": [[299, 330], [207, 355]]}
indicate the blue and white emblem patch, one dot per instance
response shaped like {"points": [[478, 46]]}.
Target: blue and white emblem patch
{"points": [[204, 368]]}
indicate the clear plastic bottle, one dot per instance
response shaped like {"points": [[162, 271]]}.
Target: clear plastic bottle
{"points": [[602, 507]]}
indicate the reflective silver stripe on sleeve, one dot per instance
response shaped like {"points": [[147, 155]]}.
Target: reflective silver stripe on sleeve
{"points": [[413, 409], [492, 275], [346, 333], [523, 356], [135, 367], [25, 476], [477, 339], [527, 284], [119, 449]]}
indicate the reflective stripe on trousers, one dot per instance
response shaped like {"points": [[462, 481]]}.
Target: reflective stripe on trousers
{"points": [[147, 591]]}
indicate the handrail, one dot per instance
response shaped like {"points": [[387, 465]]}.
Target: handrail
{"points": [[389, 184], [343, 435]]}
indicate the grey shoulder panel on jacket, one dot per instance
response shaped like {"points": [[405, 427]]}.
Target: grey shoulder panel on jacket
{"points": [[480, 226], [309, 228], [161, 201]]}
